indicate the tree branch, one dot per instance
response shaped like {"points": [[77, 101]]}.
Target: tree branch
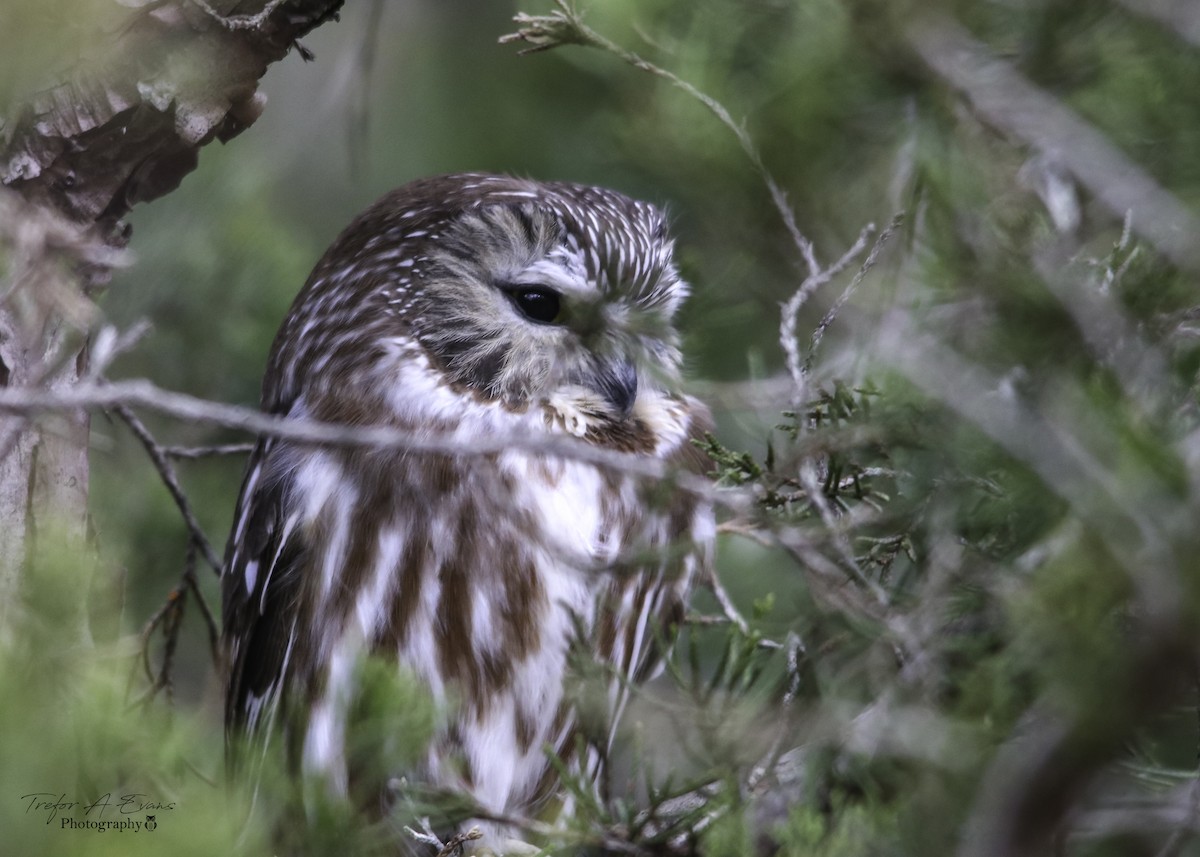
{"points": [[167, 471], [141, 393], [1010, 103], [126, 125]]}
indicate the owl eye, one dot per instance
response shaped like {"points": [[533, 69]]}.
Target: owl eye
{"points": [[537, 303]]}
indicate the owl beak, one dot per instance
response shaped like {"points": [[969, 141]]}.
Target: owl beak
{"points": [[617, 382]]}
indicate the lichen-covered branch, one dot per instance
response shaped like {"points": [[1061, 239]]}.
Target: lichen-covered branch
{"points": [[127, 123]]}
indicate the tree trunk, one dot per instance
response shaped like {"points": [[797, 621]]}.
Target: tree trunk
{"points": [[164, 78]]}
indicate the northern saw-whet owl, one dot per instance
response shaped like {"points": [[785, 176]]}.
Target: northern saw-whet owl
{"points": [[467, 307]]}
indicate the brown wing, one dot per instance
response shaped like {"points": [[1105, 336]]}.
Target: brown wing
{"points": [[259, 584]]}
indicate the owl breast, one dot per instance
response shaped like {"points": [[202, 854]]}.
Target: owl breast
{"points": [[468, 309], [479, 574]]}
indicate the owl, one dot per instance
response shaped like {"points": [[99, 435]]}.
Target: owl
{"points": [[466, 308]]}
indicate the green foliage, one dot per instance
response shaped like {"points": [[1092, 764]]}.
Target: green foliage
{"points": [[851, 831], [77, 752]]}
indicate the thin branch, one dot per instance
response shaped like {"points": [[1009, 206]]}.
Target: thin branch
{"points": [[240, 22], [167, 471], [727, 606], [788, 338], [705, 620], [142, 393], [455, 844], [210, 622], [168, 617], [832, 523], [425, 835], [566, 27], [819, 333], [1010, 103], [171, 603], [795, 648], [191, 453], [730, 614]]}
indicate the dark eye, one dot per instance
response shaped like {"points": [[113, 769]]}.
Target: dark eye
{"points": [[538, 304]]}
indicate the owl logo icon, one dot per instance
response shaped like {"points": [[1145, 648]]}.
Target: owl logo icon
{"points": [[150, 822]]}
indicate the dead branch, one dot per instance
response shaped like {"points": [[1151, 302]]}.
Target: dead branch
{"points": [[1014, 106], [169, 618], [167, 471], [142, 393], [788, 337], [191, 453], [826, 320], [125, 125], [565, 27]]}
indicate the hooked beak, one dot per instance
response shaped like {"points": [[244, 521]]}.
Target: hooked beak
{"points": [[616, 380]]}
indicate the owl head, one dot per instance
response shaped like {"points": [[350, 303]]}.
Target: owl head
{"points": [[523, 293]]}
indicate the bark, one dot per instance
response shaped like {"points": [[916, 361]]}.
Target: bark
{"points": [[123, 124]]}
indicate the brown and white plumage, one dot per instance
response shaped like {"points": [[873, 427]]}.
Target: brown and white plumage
{"points": [[468, 306]]}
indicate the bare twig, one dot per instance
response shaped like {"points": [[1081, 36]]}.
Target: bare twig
{"points": [[452, 847], [172, 603], [167, 471], [566, 27], [1181, 16], [703, 620], [168, 617], [210, 622], [141, 393], [795, 648], [194, 452], [727, 606], [455, 844], [425, 835], [239, 22], [108, 343], [819, 332], [731, 615]]}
